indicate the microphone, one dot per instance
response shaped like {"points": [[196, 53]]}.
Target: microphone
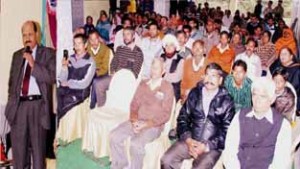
{"points": [[27, 50]]}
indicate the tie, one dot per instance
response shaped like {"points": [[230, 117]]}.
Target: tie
{"points": [[26, 79]]}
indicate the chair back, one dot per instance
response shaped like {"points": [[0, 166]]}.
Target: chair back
{"points": [[121, 90]]}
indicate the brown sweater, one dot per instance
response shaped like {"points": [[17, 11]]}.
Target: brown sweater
{"points": [[154, 106]]}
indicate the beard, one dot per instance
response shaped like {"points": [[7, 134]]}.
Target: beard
{"points": [[127, 43]]}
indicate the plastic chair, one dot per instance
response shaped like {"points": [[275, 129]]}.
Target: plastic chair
{"points": [[102, 120]]}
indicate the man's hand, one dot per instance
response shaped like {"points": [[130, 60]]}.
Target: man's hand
{"points": [[65, 63], [64, 84], [183, 98], [29, 59], [195, 148], [138, 126]]}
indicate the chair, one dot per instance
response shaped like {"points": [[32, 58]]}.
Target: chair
{"points": [[187, 164], [102, 120], [295, 132], [156, 149], [72, 125]]}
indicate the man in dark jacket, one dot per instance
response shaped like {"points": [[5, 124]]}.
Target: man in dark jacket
{"points": [[202, 123]]}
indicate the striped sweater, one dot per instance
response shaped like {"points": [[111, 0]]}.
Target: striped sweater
{"points": [[125, 58]]}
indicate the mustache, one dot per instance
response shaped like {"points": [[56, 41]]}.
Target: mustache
{"points": [[206, 83], [28, 41]]}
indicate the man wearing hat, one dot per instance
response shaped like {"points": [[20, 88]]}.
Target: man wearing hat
{"points": [[173, 63]]}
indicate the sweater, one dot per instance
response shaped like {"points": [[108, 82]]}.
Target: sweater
{"points": [[224, 59], [152, 106]]}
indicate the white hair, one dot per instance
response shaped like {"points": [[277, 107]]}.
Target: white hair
{"points": [[265, 84]]}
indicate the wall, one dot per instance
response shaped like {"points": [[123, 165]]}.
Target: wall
{"points": [[12, 16], [93, 8]]}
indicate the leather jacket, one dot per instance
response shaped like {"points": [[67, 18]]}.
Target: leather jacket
{"points": [[211, 129]]}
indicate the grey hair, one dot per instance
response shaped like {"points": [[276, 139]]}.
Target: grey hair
{"points": [[265, 84]]}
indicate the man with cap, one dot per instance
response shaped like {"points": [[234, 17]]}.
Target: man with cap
{"points": [[173, 63]]}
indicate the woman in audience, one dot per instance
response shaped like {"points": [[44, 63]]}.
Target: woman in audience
{"points": [[236, 44], [104, 26], [288, 61], [287, 40], [285, 98]]}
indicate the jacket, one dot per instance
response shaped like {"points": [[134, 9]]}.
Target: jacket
{"points": [[45, 74], [210, 129]]}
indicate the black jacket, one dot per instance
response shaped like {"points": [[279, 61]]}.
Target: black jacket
{"points": [[211, 130]]}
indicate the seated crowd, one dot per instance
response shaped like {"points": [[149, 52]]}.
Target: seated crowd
{"points": [[236, 78]]}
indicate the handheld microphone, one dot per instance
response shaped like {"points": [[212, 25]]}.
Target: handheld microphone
{"points": [[27, 50]]}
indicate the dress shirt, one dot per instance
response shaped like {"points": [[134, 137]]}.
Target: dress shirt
{"points": [[254, 68], [33, 86]]}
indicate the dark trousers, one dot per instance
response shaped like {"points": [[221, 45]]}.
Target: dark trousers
{"points": [[178, 152], [28, 136], [68, 98]]}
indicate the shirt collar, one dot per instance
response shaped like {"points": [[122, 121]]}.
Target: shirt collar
{"points": [[183, 49], [209, 94], [95, 51], [34, 51], [222, 50], [268, 115], [154, 84]]}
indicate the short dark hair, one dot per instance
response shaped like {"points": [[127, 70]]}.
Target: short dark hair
{"points": [[152, 22], [126, 19], [82, 36], [240, 63], [181, 32], [224, 33], [215, 66], [129, 29], [268, 33], [195, 21], [251, 40], [281, 71], [35, 27], [93, 32], [89, 17], [218, 21], [187, 27]]}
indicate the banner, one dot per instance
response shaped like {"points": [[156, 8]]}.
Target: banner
{"points": [[48, 26], [51, 12]]}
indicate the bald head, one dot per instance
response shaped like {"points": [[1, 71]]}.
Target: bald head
{"points": [[30, 34], [157, 68]]}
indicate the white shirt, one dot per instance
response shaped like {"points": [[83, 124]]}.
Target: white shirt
{"points": [[33, 86], [189, 43], [196, 67], [282, 150], [253, 64], [207, 98], [151, 48], [154, 84], [227, 21]]}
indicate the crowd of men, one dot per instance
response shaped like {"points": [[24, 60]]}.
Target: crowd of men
{"points": [[237, 78]]}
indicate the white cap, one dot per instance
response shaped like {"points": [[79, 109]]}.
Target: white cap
{"points": [[170, 39]]}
